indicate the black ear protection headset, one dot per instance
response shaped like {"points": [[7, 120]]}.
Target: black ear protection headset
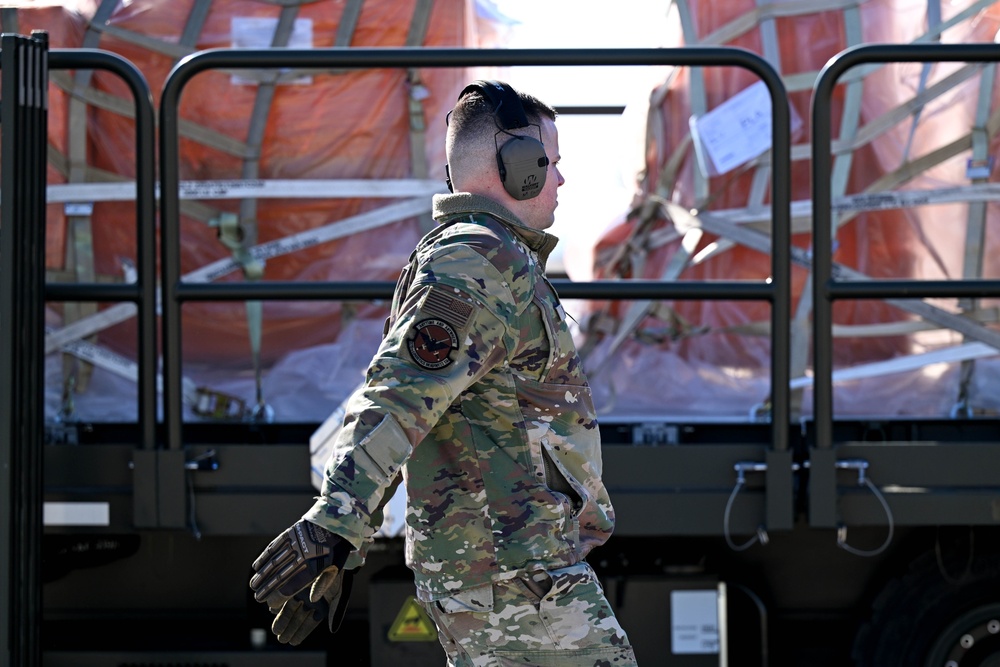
{"points": [[521, 160]]}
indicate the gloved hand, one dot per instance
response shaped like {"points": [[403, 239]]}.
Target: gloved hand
{"points": [[299, 616], [305, 555]]}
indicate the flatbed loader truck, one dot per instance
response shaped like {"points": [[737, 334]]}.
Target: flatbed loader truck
{"points": [[766, 541]]}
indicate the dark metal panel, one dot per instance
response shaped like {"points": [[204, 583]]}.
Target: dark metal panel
{"points": [[928, 464], [256, 489], [941, 507], [780, 512], [171, 490], [144, 481], [249, 513], [683, 490], [822, 488], [91, 468], [924, 483], [262, 467], [676, 467], [690, 513]]}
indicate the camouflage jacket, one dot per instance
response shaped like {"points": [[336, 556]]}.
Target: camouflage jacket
{"points": [[478, 396]]}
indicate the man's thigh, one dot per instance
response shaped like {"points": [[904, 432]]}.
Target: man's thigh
{"points": [[556, 619]]}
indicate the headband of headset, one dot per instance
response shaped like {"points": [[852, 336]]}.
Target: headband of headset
{"points": [[505, 101]]}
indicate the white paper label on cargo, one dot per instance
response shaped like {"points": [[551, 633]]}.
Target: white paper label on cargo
{"points": [[694, 622], [257, 32], [736, 131]]}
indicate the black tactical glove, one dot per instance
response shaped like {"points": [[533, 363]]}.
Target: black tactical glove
{"points": [[299, 616], [305, 555]]}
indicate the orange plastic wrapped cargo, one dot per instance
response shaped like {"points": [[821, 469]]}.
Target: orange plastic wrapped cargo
{"points": [[65, 24], [335, 126], [712, 357], [375, 125]]}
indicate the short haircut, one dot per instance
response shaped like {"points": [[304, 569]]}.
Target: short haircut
{"points": [[474, 113]]}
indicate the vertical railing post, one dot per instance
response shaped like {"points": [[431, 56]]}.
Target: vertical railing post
{"points": [[23, 141]]}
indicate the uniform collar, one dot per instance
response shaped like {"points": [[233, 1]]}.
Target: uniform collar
{"points": [[464, 203]]}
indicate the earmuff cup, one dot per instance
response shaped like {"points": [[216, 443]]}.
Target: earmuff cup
{"points": [[523, 167]]}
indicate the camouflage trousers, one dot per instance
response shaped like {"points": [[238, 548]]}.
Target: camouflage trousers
{"points": [[545, 619]]}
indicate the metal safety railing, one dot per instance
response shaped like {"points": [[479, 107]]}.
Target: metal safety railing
{"points": [[831, 284], [25, 62], [143, 292], [776, 291]]}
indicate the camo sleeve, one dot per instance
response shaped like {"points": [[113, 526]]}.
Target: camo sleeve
{"points": [[448, 333]]}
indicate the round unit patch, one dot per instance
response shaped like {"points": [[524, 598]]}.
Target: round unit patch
{"points": [[432, 343]]}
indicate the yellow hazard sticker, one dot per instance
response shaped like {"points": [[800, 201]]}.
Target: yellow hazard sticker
{"points": [[412, 624]]}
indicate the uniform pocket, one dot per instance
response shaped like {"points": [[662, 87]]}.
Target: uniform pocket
{"points": [[561, 480], [383, 451], [478, 599]]}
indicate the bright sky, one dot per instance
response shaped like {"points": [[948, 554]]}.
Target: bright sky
{"points": [[600, 154]]}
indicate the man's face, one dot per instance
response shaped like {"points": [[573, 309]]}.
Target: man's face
{"points": [[539, 212]]}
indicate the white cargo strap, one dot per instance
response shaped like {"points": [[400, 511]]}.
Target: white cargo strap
{"points": [[989, 341], [203, 401], [263, 100], [762, 243], [772, 10], [311, 237], [948, 355], [850, 120], [231, 236], [79, 232], [417, 93], [772, 54], [699, 104], [236, 188], [306, 239], [638, 310], [933, 18], [975, 231], [874, 330]]}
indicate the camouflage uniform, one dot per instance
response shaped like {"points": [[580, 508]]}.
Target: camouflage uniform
{"points": [[478, 374]]}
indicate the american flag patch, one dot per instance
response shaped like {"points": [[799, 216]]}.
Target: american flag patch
{"points": [[449, 308]]}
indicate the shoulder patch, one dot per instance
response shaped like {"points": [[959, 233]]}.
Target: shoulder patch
{"points": [[439, 321], [431, 343]]}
